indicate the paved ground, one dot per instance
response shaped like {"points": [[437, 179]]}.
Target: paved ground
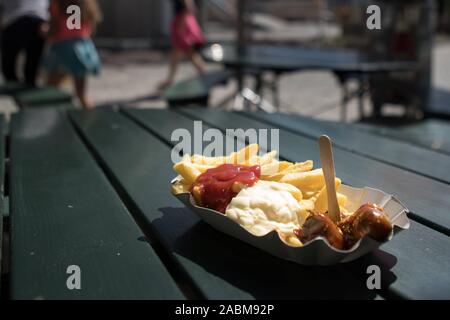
{"points": [[133, 76]]}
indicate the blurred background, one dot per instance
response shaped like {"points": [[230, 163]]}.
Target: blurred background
{"points": [[134, 40]]}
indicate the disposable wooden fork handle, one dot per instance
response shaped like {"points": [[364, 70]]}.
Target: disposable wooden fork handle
{"points": [[326, 157]]}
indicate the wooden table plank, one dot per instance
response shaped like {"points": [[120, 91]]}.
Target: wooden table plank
{"points": [[423, 196], [65, 212], [220, 266], [397, 153], [431, 134], [400, 260]]}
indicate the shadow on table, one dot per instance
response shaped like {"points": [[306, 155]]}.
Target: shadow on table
{"points": [[266, 277]]}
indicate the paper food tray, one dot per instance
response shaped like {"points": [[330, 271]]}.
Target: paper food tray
{"points": [[318, 251]]}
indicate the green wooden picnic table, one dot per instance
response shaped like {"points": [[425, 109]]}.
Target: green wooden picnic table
{"points": [[345, 63], [92, 189]]}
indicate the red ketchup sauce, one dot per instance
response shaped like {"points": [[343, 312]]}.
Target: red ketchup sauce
{"points": [[216, 185]]}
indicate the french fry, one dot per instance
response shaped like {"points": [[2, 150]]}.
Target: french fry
{"points": [[306, 181], [290, 239], [188, 171], [240, 157], [186, 158], [301, 167], [196, 193], [307, 204], [292, 168], [275, 168], [244, 155], [266, 159], [342, 199], [209, 161], [321, 203], [203, 167]]}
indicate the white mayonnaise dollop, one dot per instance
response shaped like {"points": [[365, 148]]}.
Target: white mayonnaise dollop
{"points": [[268, 206]]}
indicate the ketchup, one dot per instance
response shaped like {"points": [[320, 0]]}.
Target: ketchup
{"points": [[216, 185]]}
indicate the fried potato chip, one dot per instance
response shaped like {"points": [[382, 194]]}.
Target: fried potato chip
{"points": [[306, 181], [209, 161], [244, 155], [186, 158], [188, 171], [202, 167], [321, 202], [196, 193], [273, 168], [241, 157], [342, 199], [301, 167], [307, 204], [290, 239], [291, 168]]}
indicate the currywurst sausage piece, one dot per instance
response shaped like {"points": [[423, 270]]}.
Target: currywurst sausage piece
{"points": [[368, 220], [320, 225]]}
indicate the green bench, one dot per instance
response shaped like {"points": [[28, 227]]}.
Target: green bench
{"points": [[43, 97], [65, 212], [195, 91]]}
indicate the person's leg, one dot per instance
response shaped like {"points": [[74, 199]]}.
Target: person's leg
{"points": [[33, 49], [197, 60], [81, 91], [175, 58], [10, 49], [54, 79]]}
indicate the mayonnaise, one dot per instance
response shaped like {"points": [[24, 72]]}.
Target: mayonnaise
{"points": [[269, 206]]}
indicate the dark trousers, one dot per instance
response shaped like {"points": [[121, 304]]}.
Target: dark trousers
{"points": [[22, 36]]}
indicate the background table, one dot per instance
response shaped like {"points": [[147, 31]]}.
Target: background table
{"points": [[346, 64], [93, 189]]}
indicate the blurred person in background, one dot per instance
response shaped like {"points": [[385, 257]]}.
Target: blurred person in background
{"points": [[186, 37], [23, 25], [72, 52]]}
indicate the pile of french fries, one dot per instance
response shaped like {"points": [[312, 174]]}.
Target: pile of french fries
{"points": [[309, 181]]}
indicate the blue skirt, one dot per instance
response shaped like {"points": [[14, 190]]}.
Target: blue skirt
{"points": [[77, 57]]}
